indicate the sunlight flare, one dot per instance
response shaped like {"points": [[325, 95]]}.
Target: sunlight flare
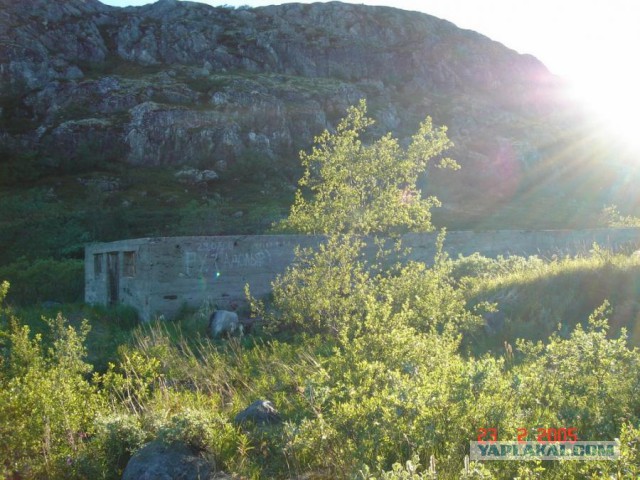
{"points": [[612, 98]]}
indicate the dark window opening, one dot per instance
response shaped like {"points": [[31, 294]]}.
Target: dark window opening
{"points": [[129, 264]]}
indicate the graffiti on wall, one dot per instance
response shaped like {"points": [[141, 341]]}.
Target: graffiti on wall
{"points": [[213, 257]]}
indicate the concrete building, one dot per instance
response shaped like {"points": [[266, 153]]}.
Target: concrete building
{"points": [[159, 276]]}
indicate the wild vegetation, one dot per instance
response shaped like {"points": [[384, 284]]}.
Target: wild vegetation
{"points": [[354, 186], [614, 218], [379, 369], [358, 393]]}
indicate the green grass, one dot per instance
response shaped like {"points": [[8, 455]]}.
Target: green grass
{"points": [[551, 296]]}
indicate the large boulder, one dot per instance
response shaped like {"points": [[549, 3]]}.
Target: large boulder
{"points": [[159, 461]]}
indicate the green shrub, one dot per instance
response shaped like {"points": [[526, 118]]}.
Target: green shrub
{"points": [[334, 290], [363, 189], [116, 438], [37, 225], [19, 168], [205, 431], [37, 281], [132, 382], [47, 406], [611, 217], [362, 400], [590, 380], [412, 470], [324, 291], [426, 298]]}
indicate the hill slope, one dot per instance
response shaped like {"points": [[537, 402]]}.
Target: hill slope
{"points": [[92, 90]]}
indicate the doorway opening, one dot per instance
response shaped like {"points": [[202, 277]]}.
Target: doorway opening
{"points": [[113, 278]]}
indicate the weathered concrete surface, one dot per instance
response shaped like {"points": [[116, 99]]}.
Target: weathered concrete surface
{"points": [[158, 276], [172, 272]]}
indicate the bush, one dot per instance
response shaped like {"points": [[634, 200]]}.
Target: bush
{"points": [[47, 406], [334, 290], [324, 291], [37, 281], [116, 438], [204, 431], [611, 217], [18, 168], [36, 225]]}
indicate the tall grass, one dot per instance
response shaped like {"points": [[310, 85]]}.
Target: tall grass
{"points": [[541, 297]]}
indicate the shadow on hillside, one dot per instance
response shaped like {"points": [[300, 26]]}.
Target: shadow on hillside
{"points": [[534, 308]]}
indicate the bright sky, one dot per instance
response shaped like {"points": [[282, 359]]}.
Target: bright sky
{"points": [[591, 43]]}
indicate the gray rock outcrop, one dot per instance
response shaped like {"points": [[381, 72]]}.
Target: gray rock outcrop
{"points": [[260, 412], [182, 83]]}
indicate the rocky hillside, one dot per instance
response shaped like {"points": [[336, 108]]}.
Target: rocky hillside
{"points": [[180, 84]]}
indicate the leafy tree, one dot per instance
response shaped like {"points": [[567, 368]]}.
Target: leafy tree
{"points": [[363, 189], [358, 190]]}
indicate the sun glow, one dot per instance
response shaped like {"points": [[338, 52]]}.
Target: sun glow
{"points": [[599, 58], [613, 102]]}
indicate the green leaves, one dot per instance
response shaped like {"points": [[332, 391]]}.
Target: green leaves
{"points": [[324, 291], [612, 217], [47, 406], [365, 189]]}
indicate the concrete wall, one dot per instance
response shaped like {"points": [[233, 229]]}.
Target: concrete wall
{"points": [[158, 276], [173, 271]]}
